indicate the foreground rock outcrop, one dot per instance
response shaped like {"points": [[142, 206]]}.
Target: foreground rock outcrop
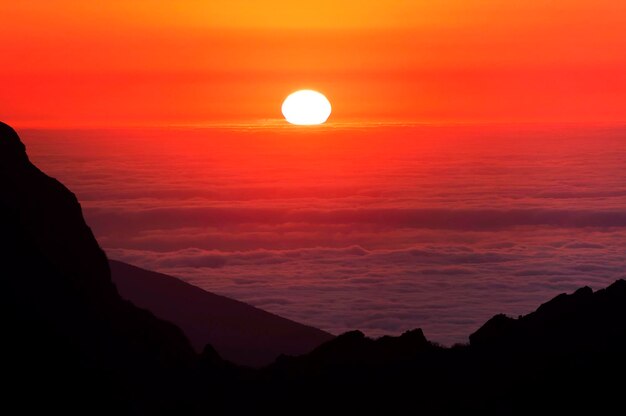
{"points": [[68, 337]]}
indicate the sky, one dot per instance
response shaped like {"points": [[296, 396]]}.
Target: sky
{"points": [[73, 63]]}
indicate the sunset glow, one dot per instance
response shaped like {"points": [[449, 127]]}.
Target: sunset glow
{"points": [[75, 63]]}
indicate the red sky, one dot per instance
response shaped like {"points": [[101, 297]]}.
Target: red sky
{"points": [[76, 63]]}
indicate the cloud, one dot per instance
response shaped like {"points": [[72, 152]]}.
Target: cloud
{"points": [[440, 218], [447, 288], [382, 229]]}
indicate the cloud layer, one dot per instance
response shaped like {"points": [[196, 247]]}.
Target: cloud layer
{"points": [[381, 229]]}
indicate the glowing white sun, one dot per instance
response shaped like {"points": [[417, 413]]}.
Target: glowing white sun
{"points": [[306, 108]]}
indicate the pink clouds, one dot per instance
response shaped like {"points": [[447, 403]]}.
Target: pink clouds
{"points": [[381, 229]]}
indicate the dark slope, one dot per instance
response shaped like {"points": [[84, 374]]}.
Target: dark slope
{"points": [[569, 356], [239, 332], [68, 338], [583, 319]]}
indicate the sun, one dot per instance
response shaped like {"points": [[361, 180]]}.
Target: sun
{"points": [[306, 108]]}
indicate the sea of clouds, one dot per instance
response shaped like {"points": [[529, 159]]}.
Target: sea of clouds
{"points": [[382, 229]]}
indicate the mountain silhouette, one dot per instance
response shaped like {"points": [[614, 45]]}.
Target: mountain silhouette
{"points": [[72, 344], [569, 356], [239, 332], [68, 336], [581, 320]]}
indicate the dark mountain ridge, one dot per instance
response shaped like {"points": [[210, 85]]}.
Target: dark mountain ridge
{"points": [[62, 313], [582, 319], [566, 357], [239, 332], [72, 344]]}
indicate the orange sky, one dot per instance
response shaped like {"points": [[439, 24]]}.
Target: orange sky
{"points": [[78, 63]]}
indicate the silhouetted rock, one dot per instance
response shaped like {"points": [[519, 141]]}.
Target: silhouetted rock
{"points": [[559, 359], [494, 329], [581, 320], [12, 150], [239, 332], [353, 351], [69, 340]]}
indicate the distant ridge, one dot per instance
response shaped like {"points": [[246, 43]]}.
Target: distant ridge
{"points": [[239, 332]]}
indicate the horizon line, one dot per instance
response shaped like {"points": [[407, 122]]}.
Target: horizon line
{"points": [[281, 124]]}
